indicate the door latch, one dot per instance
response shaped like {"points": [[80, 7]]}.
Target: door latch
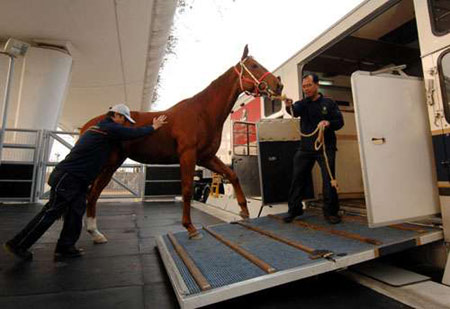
{"points": [[430, 92], [378, 140]]}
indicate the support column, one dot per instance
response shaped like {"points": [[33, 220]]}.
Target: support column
{"points": [[43, 87]]}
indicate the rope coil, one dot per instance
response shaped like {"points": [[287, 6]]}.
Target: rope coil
{"points": [[318, 143]]}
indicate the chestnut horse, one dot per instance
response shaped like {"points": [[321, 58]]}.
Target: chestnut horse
{"points": [[191, 136]]}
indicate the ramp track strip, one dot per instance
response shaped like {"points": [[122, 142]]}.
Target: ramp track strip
{"points": [[331, 231], [314, 253], [249, 256], [193, 269]]}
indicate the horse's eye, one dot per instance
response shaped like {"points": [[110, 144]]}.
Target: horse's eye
{"points": [[254, 66]]}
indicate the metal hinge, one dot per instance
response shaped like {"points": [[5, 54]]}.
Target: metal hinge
{"points": [[430, 86], [430, 91], [432, 71], [437, 117]]}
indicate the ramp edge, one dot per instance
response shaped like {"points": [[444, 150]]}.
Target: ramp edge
{"points": [[272, 280], [174, 275]]}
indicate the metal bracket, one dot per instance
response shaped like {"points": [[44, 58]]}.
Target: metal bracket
{"points": [[432, 71], [437, 117], [322, 253], [398, 69]]}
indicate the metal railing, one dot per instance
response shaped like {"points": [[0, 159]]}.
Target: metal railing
{"points": [[244, 138], [49, 137], [10, 176]]}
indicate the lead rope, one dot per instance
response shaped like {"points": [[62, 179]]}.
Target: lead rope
{"points": [[318, 143]]}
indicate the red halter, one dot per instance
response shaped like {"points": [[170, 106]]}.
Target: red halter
{"points": [[260, 84]]}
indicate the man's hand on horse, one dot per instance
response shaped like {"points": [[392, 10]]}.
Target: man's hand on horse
{"points": [[324, 123], [159, 121]]}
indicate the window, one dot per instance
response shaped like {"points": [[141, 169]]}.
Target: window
{"points": [[440, 16], [271, 106], [444, 72]]}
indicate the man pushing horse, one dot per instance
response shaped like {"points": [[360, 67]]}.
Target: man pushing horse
{"points": [[70, 181]]}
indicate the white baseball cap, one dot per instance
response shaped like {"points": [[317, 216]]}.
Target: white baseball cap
{"points": [[123, 110]]}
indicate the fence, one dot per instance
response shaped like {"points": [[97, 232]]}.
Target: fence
{"points": [[27, 161]]}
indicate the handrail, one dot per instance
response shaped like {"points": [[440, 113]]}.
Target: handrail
{"points": [[65, 132], [19, 146], [22, 130], [56, 137], [19, 160]]}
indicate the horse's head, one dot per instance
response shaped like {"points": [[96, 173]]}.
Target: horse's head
{"points": [[255, 79]]}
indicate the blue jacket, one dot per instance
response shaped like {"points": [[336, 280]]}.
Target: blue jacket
{"points": [[313, 112], [92, 150]]}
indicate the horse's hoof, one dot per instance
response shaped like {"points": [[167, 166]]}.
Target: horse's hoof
{"points": [[244, 215], [100, 239], [196, 235]]}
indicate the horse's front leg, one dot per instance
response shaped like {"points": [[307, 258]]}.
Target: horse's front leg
{"points": [[216, 165], [187, 167]]}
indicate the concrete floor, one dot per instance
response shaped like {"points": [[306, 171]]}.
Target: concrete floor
{"points": [[127, 272]]}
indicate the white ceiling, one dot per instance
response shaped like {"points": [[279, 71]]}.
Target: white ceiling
{"points": [[101, 33]]}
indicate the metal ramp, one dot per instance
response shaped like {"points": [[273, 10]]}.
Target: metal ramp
{"points": [[237, 259]]}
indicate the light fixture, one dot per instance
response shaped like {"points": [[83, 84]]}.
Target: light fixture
{"points": [[326, 82], [16, 47]]}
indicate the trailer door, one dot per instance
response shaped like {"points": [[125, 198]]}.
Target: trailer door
{"points": [[395, 148]]}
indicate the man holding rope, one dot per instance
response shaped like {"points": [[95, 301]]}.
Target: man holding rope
{"points": [[319, 115]]}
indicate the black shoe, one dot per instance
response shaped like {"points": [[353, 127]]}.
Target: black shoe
{"points": [[333, 219], [291, 216], [69, 252], [21, 253]]}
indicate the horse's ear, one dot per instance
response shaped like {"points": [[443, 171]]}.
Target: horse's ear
{"points": [[245, 54]]}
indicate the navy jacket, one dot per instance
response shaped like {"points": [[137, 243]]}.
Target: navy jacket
{"points": [[92, 150], [313, 112]]}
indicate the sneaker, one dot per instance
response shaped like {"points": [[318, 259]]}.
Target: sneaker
{"points": [[70, 252], [21, 253], [291, 216], [333, 219]]}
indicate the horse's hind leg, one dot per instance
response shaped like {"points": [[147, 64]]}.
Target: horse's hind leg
{"points": [[216, 165], [97, 187]]}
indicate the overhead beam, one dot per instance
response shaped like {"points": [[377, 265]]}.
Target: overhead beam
{"points": [[352, 54], [162, 18]]}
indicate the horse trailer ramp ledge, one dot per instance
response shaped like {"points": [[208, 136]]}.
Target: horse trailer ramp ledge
{"points": [[237, 259]]}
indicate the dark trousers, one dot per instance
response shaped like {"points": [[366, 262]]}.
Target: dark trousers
{"points": [[68, 199], [301, 176]]}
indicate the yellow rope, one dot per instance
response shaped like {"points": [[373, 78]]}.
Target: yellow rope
{"points": [[318, 143]]}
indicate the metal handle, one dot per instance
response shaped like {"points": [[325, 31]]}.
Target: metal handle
{"points": [[378, 140]]}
